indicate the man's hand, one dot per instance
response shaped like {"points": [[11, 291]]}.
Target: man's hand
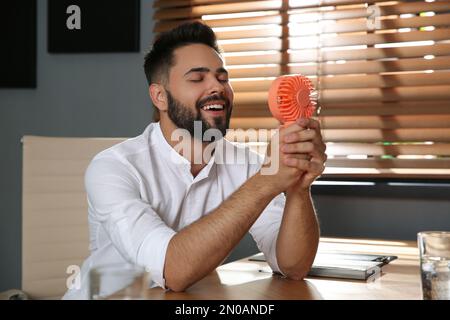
{"points": [[295, 156], [305, 150]]}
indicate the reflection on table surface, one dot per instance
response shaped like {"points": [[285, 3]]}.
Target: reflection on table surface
{"points": [[244, 279]]}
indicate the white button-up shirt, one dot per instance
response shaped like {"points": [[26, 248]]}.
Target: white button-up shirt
{"points": [[141, 193]]}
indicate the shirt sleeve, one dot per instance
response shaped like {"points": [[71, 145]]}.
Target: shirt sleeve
{"points": [[265, 230], [135, 229]]}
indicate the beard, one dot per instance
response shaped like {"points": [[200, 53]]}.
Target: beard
{"points": [[183, 117]]}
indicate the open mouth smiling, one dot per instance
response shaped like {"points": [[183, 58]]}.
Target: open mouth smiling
{"points": [[214, 107]]}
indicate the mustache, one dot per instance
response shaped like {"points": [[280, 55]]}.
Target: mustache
{"points": [[214, 97]]}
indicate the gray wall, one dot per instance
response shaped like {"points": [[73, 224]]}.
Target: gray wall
{"points": [[384, 210], [77, 95], [106, 95]]}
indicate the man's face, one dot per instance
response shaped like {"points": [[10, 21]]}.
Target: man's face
{"points": [[199, 90]]}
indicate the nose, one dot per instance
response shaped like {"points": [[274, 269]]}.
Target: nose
{"points": [[215, 86]]}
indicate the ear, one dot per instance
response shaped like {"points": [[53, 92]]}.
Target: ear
{"points": [[158, 96]]}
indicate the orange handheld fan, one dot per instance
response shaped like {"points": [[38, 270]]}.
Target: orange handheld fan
{"points": [[291, 97]]}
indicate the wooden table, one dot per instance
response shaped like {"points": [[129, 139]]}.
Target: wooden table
{"points": [[244, 279]]}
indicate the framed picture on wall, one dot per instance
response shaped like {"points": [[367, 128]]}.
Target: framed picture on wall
{"points": [[18, 44], [93, 26]]}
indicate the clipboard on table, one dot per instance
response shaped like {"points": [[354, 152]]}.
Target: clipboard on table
{"points": [[343, 265]]}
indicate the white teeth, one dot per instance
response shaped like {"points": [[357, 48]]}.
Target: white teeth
{"points": [[213, 106]]}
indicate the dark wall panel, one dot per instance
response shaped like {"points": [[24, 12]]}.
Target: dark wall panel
{"points": [[93, 26], [18, 44]]}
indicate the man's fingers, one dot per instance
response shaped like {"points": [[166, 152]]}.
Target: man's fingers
{"points": [[304, 147], [308, 123], [319, 156], [300, 164], [320, 146], [294, 127], [309, 132], [317, 166], [299, 136], [301, 147], [311, 124], [314, 165]]}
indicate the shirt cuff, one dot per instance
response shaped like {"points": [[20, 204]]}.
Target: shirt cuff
{"points": [[271, 259], [152, 255]]}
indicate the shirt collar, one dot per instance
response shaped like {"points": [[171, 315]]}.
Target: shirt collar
{"points": [[173, 158]]}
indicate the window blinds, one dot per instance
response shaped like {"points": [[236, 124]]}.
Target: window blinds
{"points": [[382, 70]]}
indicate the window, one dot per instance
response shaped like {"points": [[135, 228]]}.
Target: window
{"points": [[381, 68]]}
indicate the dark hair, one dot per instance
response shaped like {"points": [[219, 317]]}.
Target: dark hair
{"points": [[160, 58]]}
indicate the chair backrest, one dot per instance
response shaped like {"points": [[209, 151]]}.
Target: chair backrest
{"points": [[55, 231]]}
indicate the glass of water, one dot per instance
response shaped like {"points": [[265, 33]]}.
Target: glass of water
{"points": [[118, 282], [434, 247]]}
